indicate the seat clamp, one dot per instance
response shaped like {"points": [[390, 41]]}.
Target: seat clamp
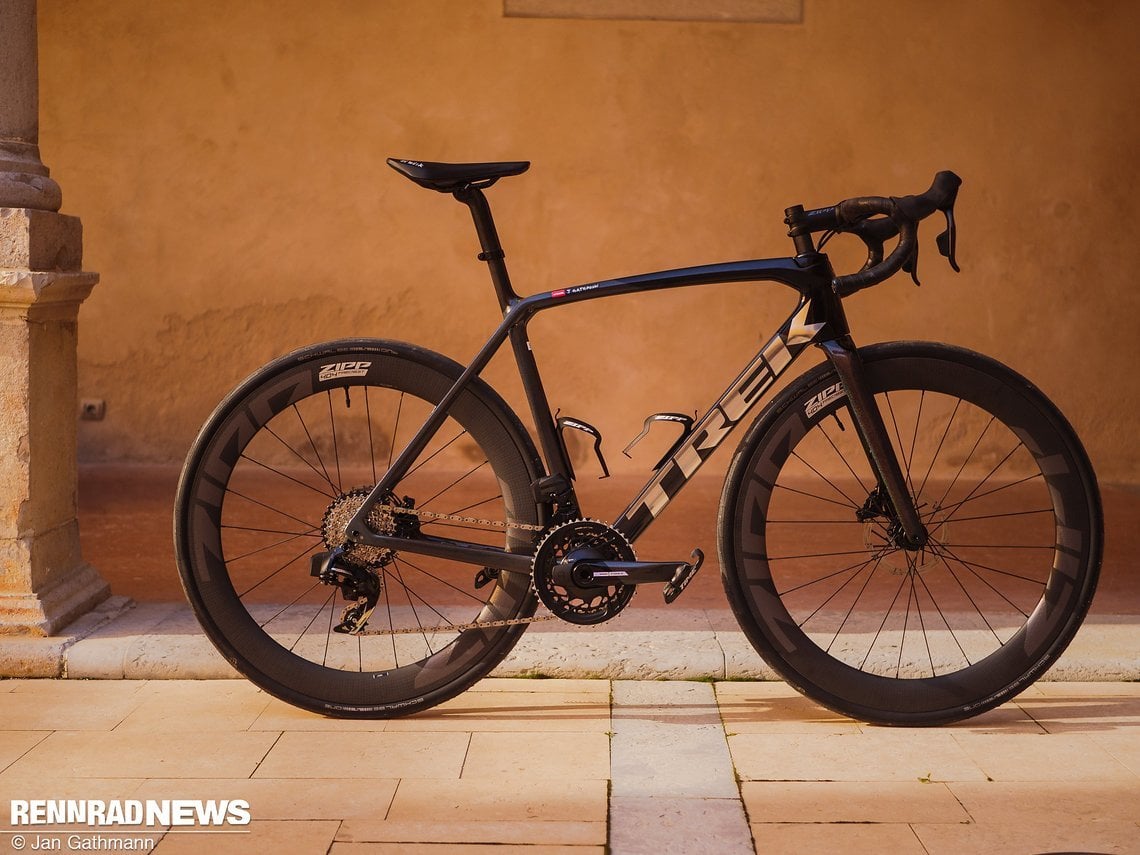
{"points": [[493, 255]]}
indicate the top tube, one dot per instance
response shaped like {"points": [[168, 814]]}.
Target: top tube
{"points": [[786, 271]]}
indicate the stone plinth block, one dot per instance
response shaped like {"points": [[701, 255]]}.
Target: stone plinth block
{"points": [[44, 582], [39, 240]]}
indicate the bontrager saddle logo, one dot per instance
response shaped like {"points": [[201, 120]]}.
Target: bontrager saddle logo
{"points": [[818, 402], [337, 370]]}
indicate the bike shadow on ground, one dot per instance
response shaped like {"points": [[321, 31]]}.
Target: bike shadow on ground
{"points": [[1075, 712]]}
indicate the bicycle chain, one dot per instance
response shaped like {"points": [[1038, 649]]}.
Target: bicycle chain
{"points": [[462, 627], [419, 512]]}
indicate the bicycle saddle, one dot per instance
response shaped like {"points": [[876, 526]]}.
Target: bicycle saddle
{"points": [[449, 177]]}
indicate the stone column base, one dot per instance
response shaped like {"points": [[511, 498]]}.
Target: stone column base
{"points": [[44, 581], [45, 613]]}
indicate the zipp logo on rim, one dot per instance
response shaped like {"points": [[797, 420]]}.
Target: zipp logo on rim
{"points": [[818, 402], [337, 370]]}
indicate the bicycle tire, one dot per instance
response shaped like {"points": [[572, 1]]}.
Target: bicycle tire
{"points": [[275, 474], [912, 638]]}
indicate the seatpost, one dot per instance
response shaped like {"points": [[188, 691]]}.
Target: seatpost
{"points": [[472, 196]]}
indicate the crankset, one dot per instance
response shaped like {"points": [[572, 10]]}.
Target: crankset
{"points": [[585, 572], [573, 600]]}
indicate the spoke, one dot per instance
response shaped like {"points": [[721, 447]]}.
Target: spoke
{"points": [[254, 501], [819, 555], [961, 468], [289, 605], [431, 456], [858, 568], [336, 451], [465, 475], [320, 609], [395, 427], [898, 440], [407, 594], [843, 459], [945, 622], [922, 627], [878, 560], [261, 549], [292, 560], [987, 583], [1001, 463], [973, 603], [913, 445], [938, 450], [1035, 582], [1000, 546], [320, 474], [371, 443], [475, 505], [391, 624], [825, 479], [886, 615], [431, 575], [812, 522], [852, 507], [991, 492], [906, 620], [328, 635], [468, 526], [309, 533], [1005, 514], [304, 484], [313, 445]]}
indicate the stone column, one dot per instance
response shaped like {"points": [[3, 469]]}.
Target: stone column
{"points": [[44, 582]]}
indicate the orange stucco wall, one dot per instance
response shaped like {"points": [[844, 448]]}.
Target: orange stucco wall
{"points": [[227, 160]]}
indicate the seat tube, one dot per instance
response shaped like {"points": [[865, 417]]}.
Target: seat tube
{"points": [[552, 448], [492, 253], [872, 433]]}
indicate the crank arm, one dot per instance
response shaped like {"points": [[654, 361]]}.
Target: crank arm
{"points": [[600, 574]]}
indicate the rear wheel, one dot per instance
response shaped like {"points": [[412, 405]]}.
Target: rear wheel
{"points": [[276, 474], [815, 566]]}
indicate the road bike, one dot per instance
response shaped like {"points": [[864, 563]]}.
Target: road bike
{"points": [[909, 532]]}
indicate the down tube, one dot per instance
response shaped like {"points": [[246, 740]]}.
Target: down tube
{"points": [[744, 393]]}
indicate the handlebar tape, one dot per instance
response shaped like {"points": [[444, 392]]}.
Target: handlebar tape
{"points": [[939, 197], [903, 215]]}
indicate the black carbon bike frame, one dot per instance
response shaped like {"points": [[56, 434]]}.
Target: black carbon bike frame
{"points": [[817, 319]]}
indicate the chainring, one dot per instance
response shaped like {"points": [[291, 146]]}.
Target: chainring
{"points": [[576, 541]]}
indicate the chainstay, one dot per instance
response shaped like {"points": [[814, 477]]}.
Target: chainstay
{"points": [[461, 627], [457, 627]]}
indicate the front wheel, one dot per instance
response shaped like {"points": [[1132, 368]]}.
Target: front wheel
{"points": [[275, 476], [814, 564]]}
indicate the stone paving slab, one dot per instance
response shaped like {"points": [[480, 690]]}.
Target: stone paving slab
{"points": [[646, 766]]}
